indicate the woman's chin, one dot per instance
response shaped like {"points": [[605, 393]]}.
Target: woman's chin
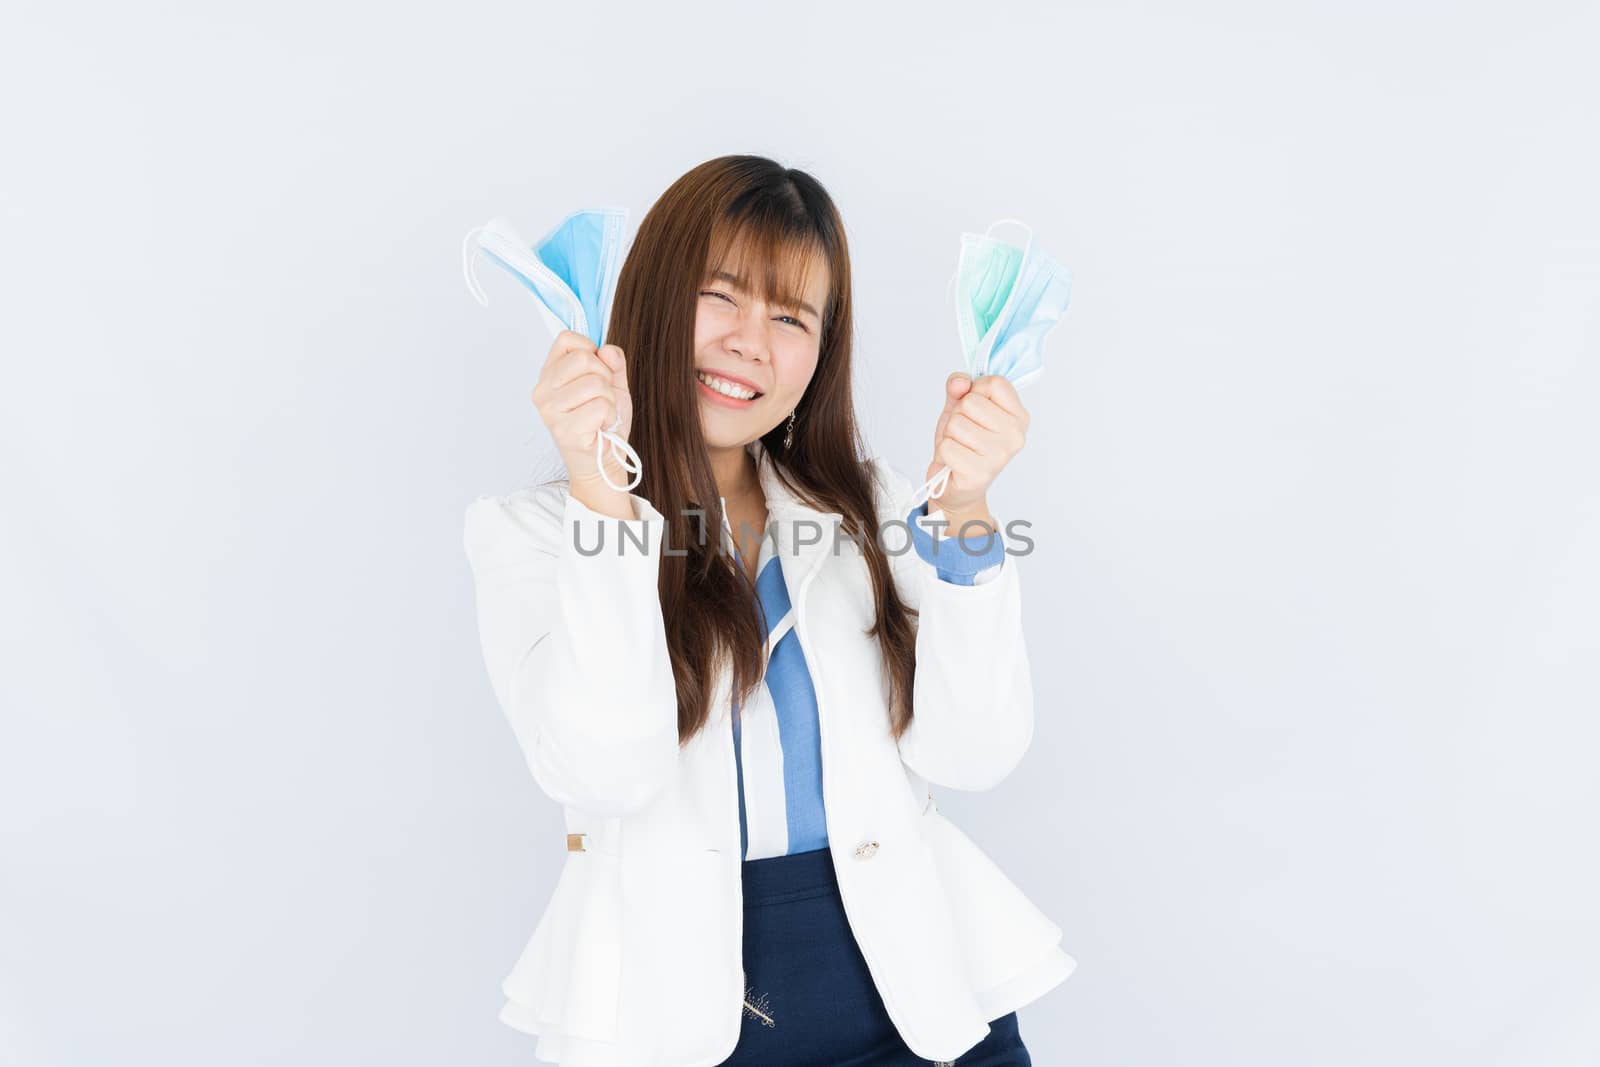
{"points": [[720, 431], [714, 414]]}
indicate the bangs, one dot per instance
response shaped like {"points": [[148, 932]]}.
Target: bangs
{"points": [[768, 262]]}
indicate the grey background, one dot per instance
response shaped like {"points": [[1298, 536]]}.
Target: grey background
{"points": [[1311, 475]]}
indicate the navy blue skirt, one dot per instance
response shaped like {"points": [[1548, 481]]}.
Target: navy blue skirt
{"points": [[809, 998]]}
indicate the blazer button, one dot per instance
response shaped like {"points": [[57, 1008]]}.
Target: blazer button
{"points": [[867, 851]]}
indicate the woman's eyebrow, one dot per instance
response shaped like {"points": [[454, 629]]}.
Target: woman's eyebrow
{"points": [[738, 283]]}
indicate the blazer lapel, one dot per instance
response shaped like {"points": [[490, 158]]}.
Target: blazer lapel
{"points": [[805, 536]]}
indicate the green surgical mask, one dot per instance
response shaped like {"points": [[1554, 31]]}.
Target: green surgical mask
{"points": [[985, 274]]}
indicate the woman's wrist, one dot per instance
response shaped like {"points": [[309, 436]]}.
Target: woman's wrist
{"points": [[970, 520], [594, 493]]}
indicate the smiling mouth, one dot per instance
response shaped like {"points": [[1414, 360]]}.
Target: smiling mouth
{"points": [[727, 388]]}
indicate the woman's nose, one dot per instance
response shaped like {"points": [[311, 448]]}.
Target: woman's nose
{"points": [[748, 335]]}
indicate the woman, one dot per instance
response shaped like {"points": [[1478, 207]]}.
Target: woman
{"points": [[742, 730]]}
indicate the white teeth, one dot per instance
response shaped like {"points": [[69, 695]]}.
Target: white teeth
{"points": [[727, 388]]}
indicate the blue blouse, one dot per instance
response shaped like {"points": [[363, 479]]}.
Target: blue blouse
{"points": [[776, 739]]}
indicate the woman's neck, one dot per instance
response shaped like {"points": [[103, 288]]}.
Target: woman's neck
{"points": [[735, 471]]}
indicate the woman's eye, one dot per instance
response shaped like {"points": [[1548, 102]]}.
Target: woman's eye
{"points": [[782, 318]]}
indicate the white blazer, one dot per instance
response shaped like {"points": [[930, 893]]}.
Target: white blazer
{"points": [[638, 958]]}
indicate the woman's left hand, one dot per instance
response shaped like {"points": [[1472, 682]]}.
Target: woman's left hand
{"points": [[982, 426]]}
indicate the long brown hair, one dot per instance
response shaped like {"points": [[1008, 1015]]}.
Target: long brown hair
{"points": [[743, 210]]}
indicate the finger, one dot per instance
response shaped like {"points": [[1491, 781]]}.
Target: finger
{"points": [[956, 386], [570, 341], [969, 433], [601, 409], [581, 390], [962, 461], [618, 363], [576, 394], [573, 365], [577, 353], [985, 412], [999, 390]]}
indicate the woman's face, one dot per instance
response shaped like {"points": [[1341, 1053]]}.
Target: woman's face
{"points": [[766, 348]]}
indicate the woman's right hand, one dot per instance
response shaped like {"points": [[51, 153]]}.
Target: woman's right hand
{"points": [[581, 391]]}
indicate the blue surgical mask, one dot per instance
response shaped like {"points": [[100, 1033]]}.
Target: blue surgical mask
{"points": [[573, 271], [1007, 300]]}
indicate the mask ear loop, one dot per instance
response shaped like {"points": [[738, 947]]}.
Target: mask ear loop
{"points": [[1015, 222], [468, 255], [933, 488], [624, 454]]}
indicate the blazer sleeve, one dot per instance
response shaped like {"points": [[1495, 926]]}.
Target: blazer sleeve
{"points": [[575, 645], [972, 700], [970, 560]]}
